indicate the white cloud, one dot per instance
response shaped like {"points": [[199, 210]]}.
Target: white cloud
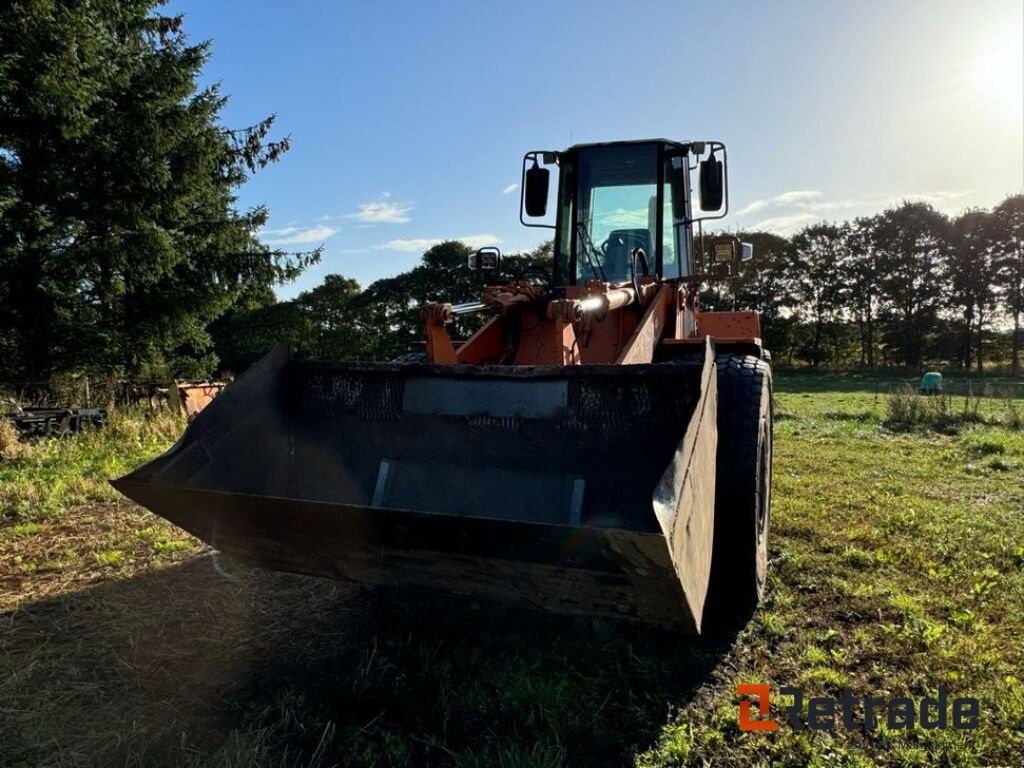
{"points": [[796, 208], [421, 244], [410, 244], [297, 235], [795, 196], [382, 211], [943, 199], [785, 223], [510, 189]]}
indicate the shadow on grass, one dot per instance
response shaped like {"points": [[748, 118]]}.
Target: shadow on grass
{"points": [[189, 666]]}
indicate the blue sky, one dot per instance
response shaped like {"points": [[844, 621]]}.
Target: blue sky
{"points": [[409, 119]]}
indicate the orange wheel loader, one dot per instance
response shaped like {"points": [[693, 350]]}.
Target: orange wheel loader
{"points": [[600, 446]]}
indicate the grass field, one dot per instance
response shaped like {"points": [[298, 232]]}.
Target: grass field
{"points": [[897, 565]]}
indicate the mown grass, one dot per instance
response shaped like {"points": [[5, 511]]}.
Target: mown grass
{"points": [[897, 566]]}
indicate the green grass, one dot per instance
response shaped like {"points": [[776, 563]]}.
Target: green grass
{"points": [[897, 566], [41, 478], [110, 557], [23, 530]]}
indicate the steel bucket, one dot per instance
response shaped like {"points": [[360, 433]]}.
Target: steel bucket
{"points": [[580, 490]]}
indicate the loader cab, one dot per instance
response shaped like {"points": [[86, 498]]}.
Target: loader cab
{"points": [[614, 198]]}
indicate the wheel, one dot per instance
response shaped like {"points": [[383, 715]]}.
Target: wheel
{"points": [[739, 558], [411, 358]]}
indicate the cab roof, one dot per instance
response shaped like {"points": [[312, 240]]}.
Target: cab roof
{"points": [[631, 142]]}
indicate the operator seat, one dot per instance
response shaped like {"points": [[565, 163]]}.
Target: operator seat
{"points": [[621, 243]]}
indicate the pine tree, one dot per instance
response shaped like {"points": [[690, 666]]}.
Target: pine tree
{"points": [[120, 236]]}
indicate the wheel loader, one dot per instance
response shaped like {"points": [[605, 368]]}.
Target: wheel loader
{"points": [[599, 447]]}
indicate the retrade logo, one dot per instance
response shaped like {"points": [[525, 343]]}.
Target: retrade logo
{"points": [[825, 713], [762, 692]]}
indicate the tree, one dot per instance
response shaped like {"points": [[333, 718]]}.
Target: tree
{"points": [[332, 328], [337, 321], [320, 323], [120, 240], [972, 274], [817, 278], [764, 285], [1008, 234], [245, 334], [912, 242], [862, 292]]}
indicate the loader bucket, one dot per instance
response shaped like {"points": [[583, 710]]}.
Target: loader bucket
{"points": [[581, 490]]}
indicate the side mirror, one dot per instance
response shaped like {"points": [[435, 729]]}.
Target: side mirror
{"points": [[535, 190], [746, 251], [712, 184], [485, 260]]}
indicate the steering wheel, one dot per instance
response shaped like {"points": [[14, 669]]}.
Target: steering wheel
{"points": [[638, 255]]}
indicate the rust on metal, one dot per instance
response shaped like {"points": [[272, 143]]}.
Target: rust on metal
{"points": [[729, 325], [194, 397], [641, 345]]}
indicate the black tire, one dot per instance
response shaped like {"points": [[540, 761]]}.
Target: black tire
{"points": [[739, 559], [411, 358]]}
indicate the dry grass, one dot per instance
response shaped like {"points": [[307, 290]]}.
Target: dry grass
{"points": [[74, 550], [11, 447]]}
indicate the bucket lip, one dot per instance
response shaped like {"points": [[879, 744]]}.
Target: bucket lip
{"points": [[127, 483], [641, 370], [589, 562]]}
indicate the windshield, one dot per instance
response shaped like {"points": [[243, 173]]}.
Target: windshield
{"points": [[617, 210]]}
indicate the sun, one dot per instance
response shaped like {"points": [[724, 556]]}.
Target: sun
{"points": [[995, 77]]}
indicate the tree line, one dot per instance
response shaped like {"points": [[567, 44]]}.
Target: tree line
{"points": [[907, 287]]}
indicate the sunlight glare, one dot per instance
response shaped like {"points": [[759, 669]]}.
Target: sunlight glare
{"points": [[996, 77]]}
